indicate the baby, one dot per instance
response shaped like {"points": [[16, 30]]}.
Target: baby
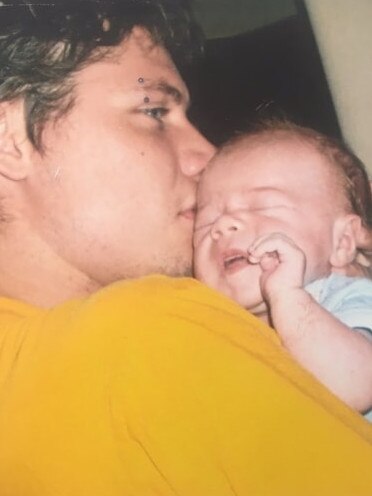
{"points": [[280, 211]]}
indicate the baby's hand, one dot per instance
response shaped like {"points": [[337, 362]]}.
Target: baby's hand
{"points": [[282, 262]]}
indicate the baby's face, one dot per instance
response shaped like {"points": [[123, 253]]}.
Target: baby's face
{"points": [[256, 188]]}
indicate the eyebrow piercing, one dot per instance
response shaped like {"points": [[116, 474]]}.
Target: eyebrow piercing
{"points": [[106, 25], [141, 80], [146, 99]]}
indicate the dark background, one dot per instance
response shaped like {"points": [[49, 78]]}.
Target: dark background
{"points": [[275, 70]]}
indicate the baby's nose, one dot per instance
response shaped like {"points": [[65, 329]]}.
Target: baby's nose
{"points": [[224, 226]]}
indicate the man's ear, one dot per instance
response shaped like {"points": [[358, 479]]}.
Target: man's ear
{"points": [[346, 232], [15, 147]]}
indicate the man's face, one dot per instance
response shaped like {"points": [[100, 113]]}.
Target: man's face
{"points": [[257, 188], [113, 196]]}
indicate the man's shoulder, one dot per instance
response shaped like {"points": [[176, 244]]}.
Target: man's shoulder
{"points": [[158, 293], [161, 300], [128, 308], [154, 316]]}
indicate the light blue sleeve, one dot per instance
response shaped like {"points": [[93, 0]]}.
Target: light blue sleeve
{"points": [[355, 309], [347, 298]]}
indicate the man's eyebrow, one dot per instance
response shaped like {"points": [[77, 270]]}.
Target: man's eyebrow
{"points": [[267, 189], [168, 89]]}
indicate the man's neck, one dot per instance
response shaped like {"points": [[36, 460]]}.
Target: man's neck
{"points": [[33, 273]]}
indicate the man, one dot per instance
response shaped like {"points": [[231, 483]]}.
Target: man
{"points": [[151, 386], [122, 163]]}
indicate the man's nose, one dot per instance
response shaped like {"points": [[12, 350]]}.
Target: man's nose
{"points": [[224, 226], [196, 153]]}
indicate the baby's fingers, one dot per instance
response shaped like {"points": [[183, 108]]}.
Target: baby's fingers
{"points": [[275, 245]]}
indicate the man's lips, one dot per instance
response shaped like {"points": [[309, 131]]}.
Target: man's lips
{"points": [[188, 213]]}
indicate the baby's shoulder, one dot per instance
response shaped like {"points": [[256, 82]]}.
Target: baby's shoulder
{"points": [[348, 298], [339, 288]]}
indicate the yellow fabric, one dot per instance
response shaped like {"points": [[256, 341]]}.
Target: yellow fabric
{"points": [[163, 387]]}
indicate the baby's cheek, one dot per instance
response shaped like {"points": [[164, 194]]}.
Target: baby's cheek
{"points": [[197, 261], [203, 268], [196, 240]]}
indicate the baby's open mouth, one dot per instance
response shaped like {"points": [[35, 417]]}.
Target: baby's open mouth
{"points": [[233, 261]]}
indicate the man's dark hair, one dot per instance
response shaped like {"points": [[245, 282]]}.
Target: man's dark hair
{"points": [[44, 43]]}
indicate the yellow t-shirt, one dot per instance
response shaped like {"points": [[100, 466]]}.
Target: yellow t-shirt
{"points": [[163, 387]]}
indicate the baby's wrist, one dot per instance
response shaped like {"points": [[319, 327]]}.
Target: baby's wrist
{"points": [[284, 295], [289, 310]]}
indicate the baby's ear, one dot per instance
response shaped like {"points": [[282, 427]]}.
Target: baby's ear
{"points": [[346, 232], [15, 147]]}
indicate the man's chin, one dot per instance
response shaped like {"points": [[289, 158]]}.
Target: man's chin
{"points": [[185, 271], [180, 266], [176, 268]]}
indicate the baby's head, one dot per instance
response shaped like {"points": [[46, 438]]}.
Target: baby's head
{"points": [[278, 178]]}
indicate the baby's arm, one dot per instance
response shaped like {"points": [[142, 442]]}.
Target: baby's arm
{"points": [[341, 358]]}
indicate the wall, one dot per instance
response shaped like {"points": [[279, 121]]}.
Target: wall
{"points": [[343, 29], [222, 18]]}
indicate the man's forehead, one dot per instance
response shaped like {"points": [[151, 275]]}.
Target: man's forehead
{"points": [[141, 62]]}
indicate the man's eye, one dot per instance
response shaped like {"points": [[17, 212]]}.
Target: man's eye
{"points": [[157, 113]]}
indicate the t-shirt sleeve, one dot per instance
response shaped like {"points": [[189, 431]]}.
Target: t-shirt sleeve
{"points": [[355, 308]]}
